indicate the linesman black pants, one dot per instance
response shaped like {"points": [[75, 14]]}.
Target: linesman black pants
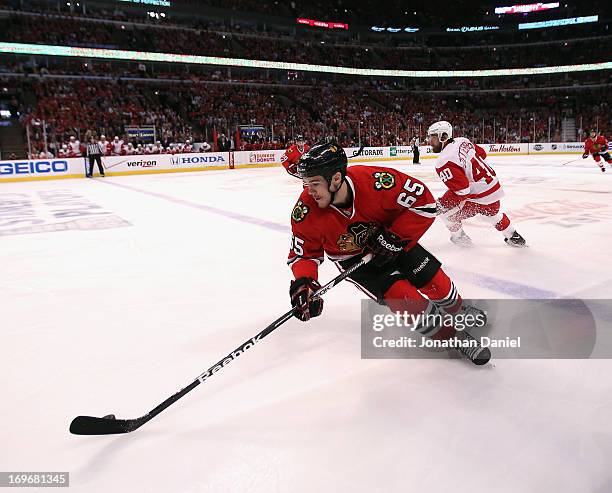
{"points": [[96, 159]]}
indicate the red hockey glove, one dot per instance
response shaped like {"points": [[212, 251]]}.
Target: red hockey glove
{"points": [[301, 291]]}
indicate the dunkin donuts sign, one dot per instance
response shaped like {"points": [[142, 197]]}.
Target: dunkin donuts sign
{"points": [[261, 157]]}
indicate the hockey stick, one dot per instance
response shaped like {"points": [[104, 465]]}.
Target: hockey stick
{"points": [[109, 425], [572, 161], [358, 152]]}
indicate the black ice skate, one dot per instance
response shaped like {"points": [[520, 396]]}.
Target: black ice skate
{"points": [[516, 240], [474, 352]]}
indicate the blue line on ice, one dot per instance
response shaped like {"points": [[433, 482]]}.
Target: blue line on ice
{"points": [[494, 284]]}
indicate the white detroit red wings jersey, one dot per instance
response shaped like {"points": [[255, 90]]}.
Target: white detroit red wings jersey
{"points": [[462, 168], [381, 196], [117, 146]]}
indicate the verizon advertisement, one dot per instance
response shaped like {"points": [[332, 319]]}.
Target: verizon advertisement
{"points": [[164, 162]]}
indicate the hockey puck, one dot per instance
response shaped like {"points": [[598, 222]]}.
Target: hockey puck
{"points": [[109, 416]]}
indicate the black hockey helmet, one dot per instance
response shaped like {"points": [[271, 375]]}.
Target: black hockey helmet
{"points": [[324, 159]]}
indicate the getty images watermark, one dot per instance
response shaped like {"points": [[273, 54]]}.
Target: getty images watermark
{"points": [[421, 322], [518, 329]]}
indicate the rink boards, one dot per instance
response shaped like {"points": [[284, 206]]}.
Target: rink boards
{"points": [[46, 169]]}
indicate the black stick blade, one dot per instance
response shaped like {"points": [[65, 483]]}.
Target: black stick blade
{"points": [[89, 425]]}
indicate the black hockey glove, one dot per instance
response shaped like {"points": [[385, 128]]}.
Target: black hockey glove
{"points": [[301, 291], [384, 244]]}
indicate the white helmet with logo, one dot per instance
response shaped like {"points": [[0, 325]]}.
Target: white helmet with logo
{"points": [[440, 128]]}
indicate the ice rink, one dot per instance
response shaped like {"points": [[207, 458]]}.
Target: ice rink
{"points": [[117, 292]]}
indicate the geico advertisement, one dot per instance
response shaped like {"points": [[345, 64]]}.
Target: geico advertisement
{"points": [[40, 167], [152, 162]]}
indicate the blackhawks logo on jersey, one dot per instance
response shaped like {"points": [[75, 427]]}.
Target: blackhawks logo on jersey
{"points": [[384, 180], [299, 212], [354, 239]]}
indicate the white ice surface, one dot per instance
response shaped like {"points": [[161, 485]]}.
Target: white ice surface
{"points": [[115, 320]]}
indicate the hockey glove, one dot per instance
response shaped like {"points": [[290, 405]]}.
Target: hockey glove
{"points": [[384, 244], [301, 291]]}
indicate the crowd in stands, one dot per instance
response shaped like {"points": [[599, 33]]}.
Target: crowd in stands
{"points": [[118, 146], [88, 32], [352, 113]]}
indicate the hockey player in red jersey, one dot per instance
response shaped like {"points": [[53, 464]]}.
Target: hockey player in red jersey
{"points": [[473, 187], [345, 212], [293, 154], [597, 146]]}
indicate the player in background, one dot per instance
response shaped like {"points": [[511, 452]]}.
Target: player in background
{"points": [[346, 212], [158, 148], [293, 154], [105, 145], [75, 147], [187, 147], [597, 146], [117, 148], [473, 187], [63, 151], [129, 149]]}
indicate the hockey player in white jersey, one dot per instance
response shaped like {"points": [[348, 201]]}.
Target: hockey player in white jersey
{"points": [[117, 147], [473, 187]]}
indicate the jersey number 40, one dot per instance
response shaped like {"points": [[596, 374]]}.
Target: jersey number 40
{"points": [[480, 170]]}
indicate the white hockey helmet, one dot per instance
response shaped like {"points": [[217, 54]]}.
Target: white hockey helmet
{"points": [[440, 128]]}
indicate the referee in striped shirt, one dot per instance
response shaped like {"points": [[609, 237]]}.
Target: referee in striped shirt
{"points": [[94, 153]]}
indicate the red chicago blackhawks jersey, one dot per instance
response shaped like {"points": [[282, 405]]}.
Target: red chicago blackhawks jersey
{"points": [[596, 145], [291, 157], [462, 168], [381, 196]]}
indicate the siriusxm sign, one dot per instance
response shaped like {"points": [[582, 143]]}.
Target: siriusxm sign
{"points": [[33, 167], [193, 160]]}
